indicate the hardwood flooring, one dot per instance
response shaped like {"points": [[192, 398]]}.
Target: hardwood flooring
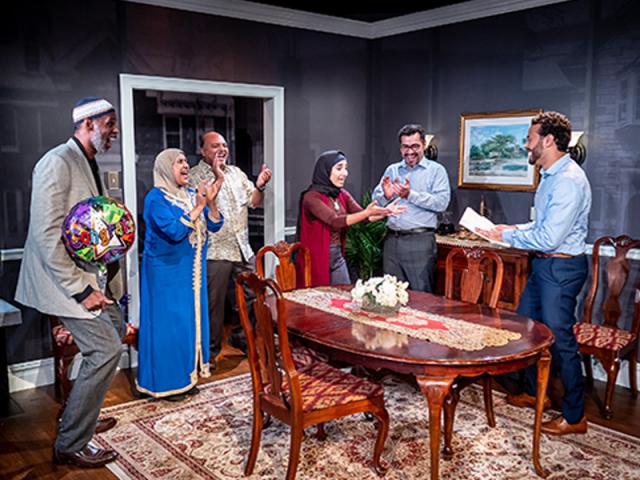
{"points": [[26, 437]]}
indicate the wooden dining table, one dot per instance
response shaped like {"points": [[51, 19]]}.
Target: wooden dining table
{"points": [[436, 359]]}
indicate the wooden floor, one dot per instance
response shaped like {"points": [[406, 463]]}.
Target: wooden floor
{"points": [[27, 435]]}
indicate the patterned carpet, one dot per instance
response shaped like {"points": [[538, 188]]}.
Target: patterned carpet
{"points": [[207, 437]]}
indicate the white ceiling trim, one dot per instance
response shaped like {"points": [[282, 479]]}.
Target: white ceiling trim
{"points": [[461, 12], [286, 17], [268, 14]]}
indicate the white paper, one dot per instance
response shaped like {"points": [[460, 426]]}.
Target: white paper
{"points": [[472, 220]]}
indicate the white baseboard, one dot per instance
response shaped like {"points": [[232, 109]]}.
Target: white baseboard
{"points": [[38, 373]]}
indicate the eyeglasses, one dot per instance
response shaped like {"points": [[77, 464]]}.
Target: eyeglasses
{"points": [[414, 146]]}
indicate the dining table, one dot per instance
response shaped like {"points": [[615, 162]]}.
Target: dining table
{"points": [[437, 340]]}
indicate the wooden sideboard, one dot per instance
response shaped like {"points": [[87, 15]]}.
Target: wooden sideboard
{"points": [[516, 267]]}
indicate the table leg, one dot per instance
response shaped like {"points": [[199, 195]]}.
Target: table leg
{"points": [[450, 404], [544, 362], [436, 390]]}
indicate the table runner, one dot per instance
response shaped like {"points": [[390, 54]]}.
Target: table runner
{"points": [[451, 332]]}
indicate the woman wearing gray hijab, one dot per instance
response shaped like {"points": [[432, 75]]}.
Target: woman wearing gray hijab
{"points": [[174, 323]]}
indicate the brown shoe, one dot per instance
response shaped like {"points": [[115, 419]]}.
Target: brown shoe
{"points": [[523, 400], [559, 426], [105, 424], [88, 457]]}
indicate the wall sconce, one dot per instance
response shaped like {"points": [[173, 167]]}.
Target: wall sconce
{"points": [[431, 151], [576, 149]]}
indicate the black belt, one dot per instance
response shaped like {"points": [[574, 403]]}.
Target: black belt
{"points": [[555, 255], [413, 231]]}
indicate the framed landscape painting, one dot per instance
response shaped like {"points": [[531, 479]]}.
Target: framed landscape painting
{"points": [[492, 154]]}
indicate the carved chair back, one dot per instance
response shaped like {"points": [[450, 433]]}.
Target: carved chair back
{"points": [[618, 269], [482, 266], [285, 270]]}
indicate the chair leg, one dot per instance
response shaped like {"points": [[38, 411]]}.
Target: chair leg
{"points": [[586, 360], [612, 374], [488, 400], [321, 434], [294, 450], [383, 430], [256, 433], [132, 381], [633, 373], [449, 410]]}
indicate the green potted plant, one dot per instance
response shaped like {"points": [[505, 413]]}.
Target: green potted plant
{"points": [[364, 245]]}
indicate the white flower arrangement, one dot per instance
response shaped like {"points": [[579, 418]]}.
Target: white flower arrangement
{"points": [[384, 291]]}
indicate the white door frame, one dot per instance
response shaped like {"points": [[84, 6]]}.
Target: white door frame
{"points": [[273, 97]]}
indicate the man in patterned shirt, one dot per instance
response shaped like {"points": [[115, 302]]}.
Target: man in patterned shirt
{"points": [[229, 252]]}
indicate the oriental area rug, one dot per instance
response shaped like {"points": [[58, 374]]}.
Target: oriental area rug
{"points": [[207, 436]]}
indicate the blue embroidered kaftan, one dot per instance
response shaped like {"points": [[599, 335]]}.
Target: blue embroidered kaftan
{"points": [[174, 323]]}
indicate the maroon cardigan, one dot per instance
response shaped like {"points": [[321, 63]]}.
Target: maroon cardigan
{"points": [[315, 234]]}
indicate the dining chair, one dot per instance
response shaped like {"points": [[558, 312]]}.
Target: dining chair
{"points": [[480, 282], [287, 270], [476, 285], [616, 338], [293, 260], [297, 396], [65, 349]]}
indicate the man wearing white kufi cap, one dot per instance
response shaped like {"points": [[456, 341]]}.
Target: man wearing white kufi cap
{"points": [[53, 284]]}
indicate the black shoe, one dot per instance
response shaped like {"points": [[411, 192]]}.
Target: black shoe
{"points": [[178, 397], [194, 391], [88, 457]]}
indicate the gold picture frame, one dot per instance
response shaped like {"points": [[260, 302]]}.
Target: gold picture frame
{"points": [[492, 154]]}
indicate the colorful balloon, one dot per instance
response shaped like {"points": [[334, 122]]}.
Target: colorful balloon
{"points": [[98, 230]]}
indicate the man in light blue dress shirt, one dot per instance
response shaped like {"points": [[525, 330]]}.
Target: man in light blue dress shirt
{"points": [[558, 234], [423, 188]]}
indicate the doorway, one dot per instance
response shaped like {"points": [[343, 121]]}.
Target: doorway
{"points": [[203, 103]]}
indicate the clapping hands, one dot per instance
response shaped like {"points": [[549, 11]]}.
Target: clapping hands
{"points": [[390, 188], [376, 212], [208, 190]]}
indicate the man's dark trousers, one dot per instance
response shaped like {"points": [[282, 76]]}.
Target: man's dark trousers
{"points": [[411, 258], [550, 297]]}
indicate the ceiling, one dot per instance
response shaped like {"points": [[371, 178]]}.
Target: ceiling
{"points": [[372, 12]]}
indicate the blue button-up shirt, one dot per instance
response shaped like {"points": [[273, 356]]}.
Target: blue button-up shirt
{"points": [[562, 205], [429, 195]]}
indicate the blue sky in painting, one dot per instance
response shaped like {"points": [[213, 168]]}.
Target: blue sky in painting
{"points": [[480, 134]]}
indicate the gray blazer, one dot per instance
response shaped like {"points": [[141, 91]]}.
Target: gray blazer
{"points": [[48, 276]]}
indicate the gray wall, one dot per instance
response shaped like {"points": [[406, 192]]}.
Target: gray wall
{"points": [[570, 57], [340, 92], [58, 52]]}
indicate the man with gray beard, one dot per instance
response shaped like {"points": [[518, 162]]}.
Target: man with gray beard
{"points": [[52, 283]]}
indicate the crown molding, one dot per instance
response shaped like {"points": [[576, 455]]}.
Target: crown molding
{"points": [[286, 17], [256, 12], [460, 12]]}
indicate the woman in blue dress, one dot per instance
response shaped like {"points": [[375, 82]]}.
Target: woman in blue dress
{"points": [[174, 324]]}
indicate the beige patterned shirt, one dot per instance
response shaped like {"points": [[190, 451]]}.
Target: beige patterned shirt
{"points": [[231, 242]]}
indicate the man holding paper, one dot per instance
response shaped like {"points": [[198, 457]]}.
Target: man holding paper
{"points": [[558, 233], [423, 189]]}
